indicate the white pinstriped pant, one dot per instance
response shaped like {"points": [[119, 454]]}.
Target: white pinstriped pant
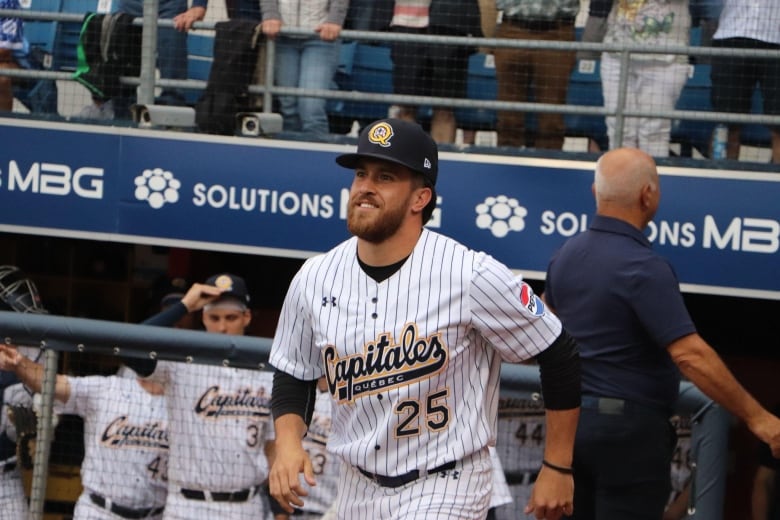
{"points": [[462, 493]]}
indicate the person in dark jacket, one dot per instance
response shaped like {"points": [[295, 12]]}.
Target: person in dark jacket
{"points": [[423, 69]]}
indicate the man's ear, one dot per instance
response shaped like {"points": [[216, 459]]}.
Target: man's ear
{"points": [[424, 196]]}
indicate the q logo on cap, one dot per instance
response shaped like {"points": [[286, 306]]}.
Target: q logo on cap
{"points": [[380, 134], [224, 282]]}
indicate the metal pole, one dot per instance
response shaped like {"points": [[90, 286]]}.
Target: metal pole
{"points": [[44, 436], [621, 100], [148, 53], [270, 59]]}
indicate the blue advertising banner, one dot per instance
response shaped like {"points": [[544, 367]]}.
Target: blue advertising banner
{"points": [[720, 230]]}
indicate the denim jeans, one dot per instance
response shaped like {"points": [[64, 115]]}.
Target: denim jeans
{"points": [[305, 63]]}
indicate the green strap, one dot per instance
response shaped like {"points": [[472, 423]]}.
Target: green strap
{"points": [[82, 67]]}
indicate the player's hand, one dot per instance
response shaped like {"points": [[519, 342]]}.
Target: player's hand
{"points": [[9, 357], [328, 31], [284, 479], [199, 295], [552, 495], [768, 430], [183, 21], [271, 28]]}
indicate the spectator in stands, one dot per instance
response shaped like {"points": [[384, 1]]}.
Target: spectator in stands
{"points": [[125, 438], [247, 9], [220, 425], [369, 15], [540, 75], [11, 39], [636, 338], [424, 69], [171, 57], [747, 24], [765, 498], [655, 81], [308, 62]]}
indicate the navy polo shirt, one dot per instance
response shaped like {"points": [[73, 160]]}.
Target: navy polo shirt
{"points": [[621, 301]]}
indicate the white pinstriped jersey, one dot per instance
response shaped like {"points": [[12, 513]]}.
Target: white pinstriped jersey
{"points": [[413, 362], [125, 439], [520, 446], [501, 494], [220, 422], [325, 464], [681, 460]]}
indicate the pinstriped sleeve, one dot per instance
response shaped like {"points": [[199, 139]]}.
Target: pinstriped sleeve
{"points": [[293, 350], [507, 312]]}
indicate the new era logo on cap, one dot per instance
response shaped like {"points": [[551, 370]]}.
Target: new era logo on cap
{"points": [[397, 141]]}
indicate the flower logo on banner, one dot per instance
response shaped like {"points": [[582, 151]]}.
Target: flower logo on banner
{"points": [[501, 215], [157, 187]]}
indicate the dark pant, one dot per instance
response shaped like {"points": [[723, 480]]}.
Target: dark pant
{"points": [[544, 72], [622, 461]]}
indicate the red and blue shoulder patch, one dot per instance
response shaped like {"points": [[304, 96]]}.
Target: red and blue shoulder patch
{"points": [[530, 301]]}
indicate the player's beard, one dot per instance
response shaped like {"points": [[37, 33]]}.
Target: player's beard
{"points": [[379, 227]]}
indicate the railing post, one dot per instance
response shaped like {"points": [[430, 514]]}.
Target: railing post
{"points": [[44, 435], [148, 53], [621, 100], [270, 59]]}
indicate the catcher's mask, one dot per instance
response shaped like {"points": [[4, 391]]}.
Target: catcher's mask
{"points": [[17, 292]]}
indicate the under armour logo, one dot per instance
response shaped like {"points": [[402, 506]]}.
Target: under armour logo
{"points": [[328, 300]]}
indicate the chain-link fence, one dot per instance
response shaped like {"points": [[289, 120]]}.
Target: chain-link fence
{"points": [[658, 77]]}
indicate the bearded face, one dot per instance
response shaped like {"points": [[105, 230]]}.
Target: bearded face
{"points": [[381, 196], [374, 222]]}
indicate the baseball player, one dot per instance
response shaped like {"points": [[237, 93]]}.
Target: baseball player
{"points": [[324, 464], [12, 497], [520, 445], [220, 424], [677, 507], [409, 329], [125, 439], [17, 293]]}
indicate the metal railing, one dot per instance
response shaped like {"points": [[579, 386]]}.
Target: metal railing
{"points": [[147, 81], [55, 334]]}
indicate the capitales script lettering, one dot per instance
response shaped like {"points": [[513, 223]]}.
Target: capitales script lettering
{"points": [[243, 402], [384, 364]]}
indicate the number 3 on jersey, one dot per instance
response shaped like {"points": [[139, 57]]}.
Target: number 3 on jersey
{"points": [[437, 415]]}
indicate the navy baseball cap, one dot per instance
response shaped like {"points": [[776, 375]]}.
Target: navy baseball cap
{"points": [[398, 141], [234, 286]]}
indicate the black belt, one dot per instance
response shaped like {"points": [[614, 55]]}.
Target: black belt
{"points": [[615, 406], [400, 480], [537, 25], [521, 478], [9, 466], [124, 512], [220, 496]]}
